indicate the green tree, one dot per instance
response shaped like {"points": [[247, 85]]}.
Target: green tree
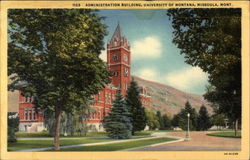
{"points": [[71, 123], [160, 120], [54, 53], [118, 123], [151, 120], [211, 40], [203, 120], [166, 122], [13, 123], [218, 120], [180, 119], [133, 102], [175, 120]]}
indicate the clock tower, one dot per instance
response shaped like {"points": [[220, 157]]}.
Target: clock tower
{"points": [[118, 58]]}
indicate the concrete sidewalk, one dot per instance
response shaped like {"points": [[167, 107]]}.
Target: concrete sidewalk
{"points": [[154, 135], [199, 142]]}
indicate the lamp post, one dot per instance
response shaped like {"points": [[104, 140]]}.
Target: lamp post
{"points": [[187, 133]]}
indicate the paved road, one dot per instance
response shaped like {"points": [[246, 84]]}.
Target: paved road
{"points": [[199, 142]]}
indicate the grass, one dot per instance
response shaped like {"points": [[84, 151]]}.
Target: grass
{"points": [[119, 146], [35, 143], [35, 140], [89, 134], [171, 130], [143, 133], [228, 134], [46, 134], [35, 134]]}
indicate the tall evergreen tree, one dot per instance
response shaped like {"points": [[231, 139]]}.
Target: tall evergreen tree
{"points": [[117, 123], [175, 120], [181, 118], [133, 102], [203, 120], [55, 54], [166, 122]]}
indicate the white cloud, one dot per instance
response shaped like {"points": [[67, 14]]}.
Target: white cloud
{"points": [[149, 47], [186, 79], [103, 55], [147, 73]]}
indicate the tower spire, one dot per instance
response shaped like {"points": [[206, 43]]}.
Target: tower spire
{"points": [[117, 34]]}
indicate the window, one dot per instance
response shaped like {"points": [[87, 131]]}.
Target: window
{"points": [[99, 114], [99, 96], [115, 57], [25, 115], [110, 98], [92, 115], [34, 115], [106, 97], [125, 57], [126, 72], [30, 115], [115, 73]]}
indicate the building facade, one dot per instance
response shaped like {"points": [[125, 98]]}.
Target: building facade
{"points": [[119, 62]]}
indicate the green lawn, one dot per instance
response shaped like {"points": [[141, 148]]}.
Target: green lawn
{"points": [[89, 134], [143, 133], [35, 143], [36, 134], [166, 130], [229, 134], [47, 141], [46, 134], [120, 146]]}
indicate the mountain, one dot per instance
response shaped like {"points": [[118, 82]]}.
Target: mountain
{"points": [[169, 100]]}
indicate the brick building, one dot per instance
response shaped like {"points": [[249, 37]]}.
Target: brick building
{"points": [[119, 62]]}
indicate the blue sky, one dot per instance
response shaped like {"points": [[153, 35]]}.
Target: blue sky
{"points": [[154, 56]]}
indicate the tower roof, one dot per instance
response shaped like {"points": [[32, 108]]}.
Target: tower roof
{"points": [[117, 34], [118, 39]]}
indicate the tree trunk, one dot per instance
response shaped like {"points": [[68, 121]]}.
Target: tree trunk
{"points": [[58, 111], [235, 127]]}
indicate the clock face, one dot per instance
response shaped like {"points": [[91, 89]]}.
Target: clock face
{"points": [[115, 57], [125, 57]]}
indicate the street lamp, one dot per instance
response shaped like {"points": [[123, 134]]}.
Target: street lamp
{"points": [[187, 133]]}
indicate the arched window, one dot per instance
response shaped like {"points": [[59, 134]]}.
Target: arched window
{"points": [[34, 115], [25, 115], [99, 114], [26, 99], [30, 115], [126, 72]]}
